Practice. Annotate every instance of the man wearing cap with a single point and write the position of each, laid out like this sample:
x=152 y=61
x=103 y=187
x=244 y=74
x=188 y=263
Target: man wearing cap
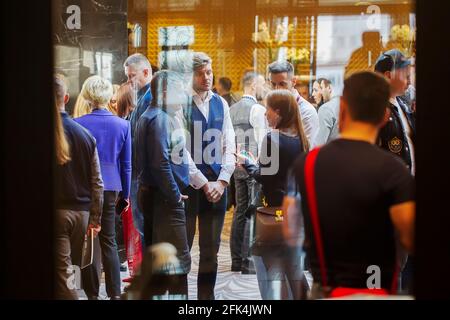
x=397 y=136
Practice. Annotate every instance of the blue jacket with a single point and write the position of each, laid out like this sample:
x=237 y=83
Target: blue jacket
x=113 y=136
x=144 y=97
x=158 y=147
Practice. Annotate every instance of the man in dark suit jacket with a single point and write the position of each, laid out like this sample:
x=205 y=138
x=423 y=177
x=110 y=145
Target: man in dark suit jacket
x=139 y=73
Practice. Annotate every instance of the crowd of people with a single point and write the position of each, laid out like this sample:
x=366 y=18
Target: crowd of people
x=169 y=145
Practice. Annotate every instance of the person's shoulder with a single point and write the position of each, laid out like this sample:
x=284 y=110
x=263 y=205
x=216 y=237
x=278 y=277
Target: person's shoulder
x=390 y=160
x=78 y=129
x=306 y=104
x=236 y=105
x=82 y=119
x=158 y=118
x=259 y=107
x=221 y=99
x=119 y=121
x=330 y=107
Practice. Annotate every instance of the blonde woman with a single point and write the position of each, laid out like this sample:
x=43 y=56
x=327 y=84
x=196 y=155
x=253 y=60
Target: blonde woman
x=81 y=107
x=113 y=136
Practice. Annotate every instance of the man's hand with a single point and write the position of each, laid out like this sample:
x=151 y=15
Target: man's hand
x=95 y=229
x=216 y=191
x=207 y=189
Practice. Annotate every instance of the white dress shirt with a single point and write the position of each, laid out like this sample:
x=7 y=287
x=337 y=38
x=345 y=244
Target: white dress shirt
x=408 y=133
x=197 y=179
x=310 y=118
x=258 y=121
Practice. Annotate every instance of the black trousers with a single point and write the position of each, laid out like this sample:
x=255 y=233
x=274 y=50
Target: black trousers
x=247 y=193
x=210 y=223
x=165 y=222
x=109 y=253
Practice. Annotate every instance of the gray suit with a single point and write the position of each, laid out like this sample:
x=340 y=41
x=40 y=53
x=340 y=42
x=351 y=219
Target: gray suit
x=247 y=189
x=328 y=122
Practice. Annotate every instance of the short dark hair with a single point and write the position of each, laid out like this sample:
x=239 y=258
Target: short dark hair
x=367 y=95
x=226 y=83
x=280 y=67
x=325 y=81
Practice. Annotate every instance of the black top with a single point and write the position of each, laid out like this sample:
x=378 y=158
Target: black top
x=278 y=153
x=356 y=184
x=73 y=180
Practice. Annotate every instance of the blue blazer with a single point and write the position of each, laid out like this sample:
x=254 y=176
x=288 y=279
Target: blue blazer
x=113 y=136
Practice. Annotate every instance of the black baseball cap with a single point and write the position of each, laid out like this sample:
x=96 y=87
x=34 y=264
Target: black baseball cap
x=391 y=60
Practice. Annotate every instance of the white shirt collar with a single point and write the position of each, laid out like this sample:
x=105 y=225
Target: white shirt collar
x=198 y=100
x=250 y=97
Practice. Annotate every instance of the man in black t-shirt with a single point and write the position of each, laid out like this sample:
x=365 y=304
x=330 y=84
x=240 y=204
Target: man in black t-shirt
x=364 y=195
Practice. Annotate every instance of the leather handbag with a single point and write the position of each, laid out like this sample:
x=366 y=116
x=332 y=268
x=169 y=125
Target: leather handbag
x=268 y=226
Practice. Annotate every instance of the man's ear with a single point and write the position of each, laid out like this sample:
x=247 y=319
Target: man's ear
x=146 y=72
x=388 y=75
x=66 y=99
x=294 y=81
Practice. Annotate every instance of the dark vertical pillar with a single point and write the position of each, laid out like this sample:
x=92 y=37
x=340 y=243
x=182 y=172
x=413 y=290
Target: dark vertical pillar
x=26 y=222
x=433 y=170
x=98 y=45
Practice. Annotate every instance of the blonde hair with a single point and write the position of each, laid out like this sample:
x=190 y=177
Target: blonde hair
x=81 y=107
x=284 y=102
x=61 y=145
x=97 y=91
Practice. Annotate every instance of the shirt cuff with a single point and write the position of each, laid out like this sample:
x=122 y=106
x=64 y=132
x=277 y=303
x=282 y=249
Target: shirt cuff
x=198 y=180
x=224 y=176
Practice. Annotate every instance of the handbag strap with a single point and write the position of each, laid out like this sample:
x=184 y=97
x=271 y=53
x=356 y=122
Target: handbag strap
x=310 y=185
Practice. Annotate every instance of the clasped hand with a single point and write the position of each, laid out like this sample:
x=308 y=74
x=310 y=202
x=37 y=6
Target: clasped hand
x=214 y=190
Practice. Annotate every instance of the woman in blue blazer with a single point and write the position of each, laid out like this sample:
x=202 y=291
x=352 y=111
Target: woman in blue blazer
x=113 y=138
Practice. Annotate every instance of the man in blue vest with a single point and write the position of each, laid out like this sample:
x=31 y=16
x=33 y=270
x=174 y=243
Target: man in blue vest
x=212 y=147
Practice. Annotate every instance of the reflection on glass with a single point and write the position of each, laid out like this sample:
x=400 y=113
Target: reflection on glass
x=104 y=64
